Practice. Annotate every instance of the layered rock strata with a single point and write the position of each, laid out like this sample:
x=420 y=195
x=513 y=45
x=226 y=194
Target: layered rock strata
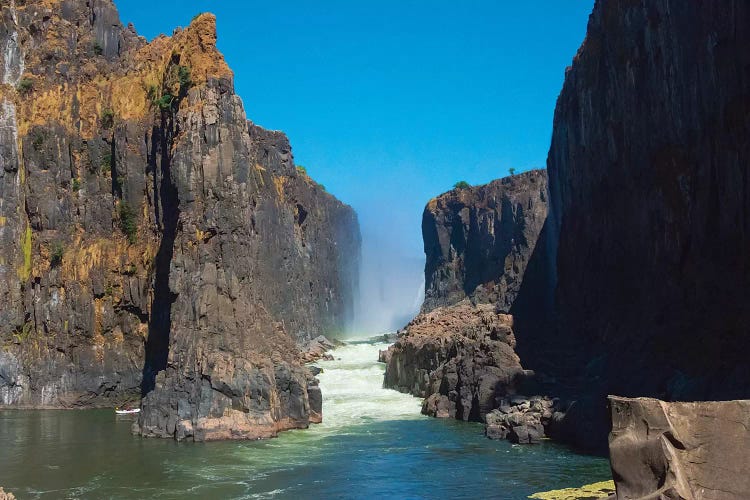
x=153 y=240
x=680 y=450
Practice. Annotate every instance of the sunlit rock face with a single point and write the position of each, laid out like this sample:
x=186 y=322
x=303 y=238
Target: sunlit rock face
x=153 y=240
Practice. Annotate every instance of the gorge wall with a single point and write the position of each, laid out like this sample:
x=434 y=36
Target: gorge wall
x=153 y=241
x=650 y=197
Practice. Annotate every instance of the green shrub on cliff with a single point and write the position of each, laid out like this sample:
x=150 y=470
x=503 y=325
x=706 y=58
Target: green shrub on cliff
x=108 y=119
x=301 y=169
x=56 y=254
x=183 y=76
x=165 y=102
x=25 y=86
x=461 y=185
x=106 y=163
x=76 y=184
x=128 y=223
x=512 y=171
x=97 y=48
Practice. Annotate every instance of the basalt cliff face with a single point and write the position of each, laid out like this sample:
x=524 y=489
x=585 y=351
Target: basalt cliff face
x=650 y=200
x=478 y=240
x=152 y=239
x=459 y=353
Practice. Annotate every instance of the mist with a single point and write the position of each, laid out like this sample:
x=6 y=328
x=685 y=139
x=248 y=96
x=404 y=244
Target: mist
x=391 y=280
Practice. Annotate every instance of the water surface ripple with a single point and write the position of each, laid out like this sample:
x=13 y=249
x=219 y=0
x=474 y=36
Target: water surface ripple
x=373 y=443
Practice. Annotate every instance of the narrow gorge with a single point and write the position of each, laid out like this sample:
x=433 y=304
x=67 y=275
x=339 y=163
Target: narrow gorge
x=170 y=271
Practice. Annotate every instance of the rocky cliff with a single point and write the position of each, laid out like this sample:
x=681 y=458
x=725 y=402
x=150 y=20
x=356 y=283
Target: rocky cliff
x=153 y=240
x=650 y=202
x=478 y=240
x=459 y=353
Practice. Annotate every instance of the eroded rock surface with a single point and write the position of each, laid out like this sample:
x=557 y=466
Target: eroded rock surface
x=680 y=450
x=153 y=240
x=459 y=358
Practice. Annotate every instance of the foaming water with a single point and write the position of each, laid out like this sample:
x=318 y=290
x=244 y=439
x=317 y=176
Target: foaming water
x=372 y=442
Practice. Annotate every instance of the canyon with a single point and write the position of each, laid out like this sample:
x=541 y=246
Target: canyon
x=154 y=241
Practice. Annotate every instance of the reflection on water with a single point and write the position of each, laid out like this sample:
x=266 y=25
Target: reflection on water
x=372 y=442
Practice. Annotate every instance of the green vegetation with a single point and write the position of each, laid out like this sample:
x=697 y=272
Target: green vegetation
x=25 y=86
x=56 y=254
x=25 y=271
x=512 y=171
x=76 y=184
x=165 y=102
x=97 y=48
x=108 y=118
x=461 y=185
x=128 y=223
x=199 y=14
x=184 y=77
x=22 y=333
x=108 y=290
x=301 y=169
x=120 y=182
x=38 y=139
x=106 y=163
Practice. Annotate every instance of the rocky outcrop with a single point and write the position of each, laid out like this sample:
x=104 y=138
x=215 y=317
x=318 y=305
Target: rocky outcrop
x=478 y=241
x=680 y=450
x=459 y=353
x=521 y=420
x=153 y=240
x=6 y=495
x=649 y=198
x=460 y=359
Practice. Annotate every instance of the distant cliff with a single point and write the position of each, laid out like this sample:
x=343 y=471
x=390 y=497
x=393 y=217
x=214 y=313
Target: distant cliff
x=153 y=240
x=459 y=353
x=478 y=240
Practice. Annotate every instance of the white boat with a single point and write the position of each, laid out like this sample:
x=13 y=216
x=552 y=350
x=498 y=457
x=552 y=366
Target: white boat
x=127 y=412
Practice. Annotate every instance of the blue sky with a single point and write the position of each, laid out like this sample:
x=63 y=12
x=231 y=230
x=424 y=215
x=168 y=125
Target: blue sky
x=389 y=103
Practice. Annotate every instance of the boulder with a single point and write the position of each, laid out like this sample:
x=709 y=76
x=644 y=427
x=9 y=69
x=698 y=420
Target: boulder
x=690 y=451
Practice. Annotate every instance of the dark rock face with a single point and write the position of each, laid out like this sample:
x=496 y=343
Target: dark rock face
x=459 y=353
x=153 y=240
x=478 y=240
x=649 y=203
x=649 y=187
x=521 y=420
x=680 y=450
x=459 y=358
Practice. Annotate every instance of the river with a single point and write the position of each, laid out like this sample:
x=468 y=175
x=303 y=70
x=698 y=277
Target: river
x=373 y=442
